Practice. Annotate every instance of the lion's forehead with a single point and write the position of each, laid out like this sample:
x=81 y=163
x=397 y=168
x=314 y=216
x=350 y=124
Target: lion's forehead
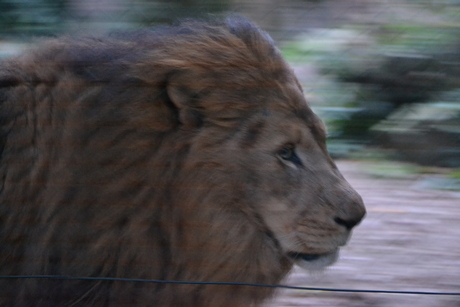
x=273 y=128
x=289 y=117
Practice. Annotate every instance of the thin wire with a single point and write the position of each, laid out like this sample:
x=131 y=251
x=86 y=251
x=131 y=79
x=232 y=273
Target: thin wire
x=225 y=284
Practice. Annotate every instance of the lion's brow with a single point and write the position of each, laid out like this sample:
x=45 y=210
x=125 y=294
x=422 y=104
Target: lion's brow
x=251 y=134
x=306 y=115
x=313 y=123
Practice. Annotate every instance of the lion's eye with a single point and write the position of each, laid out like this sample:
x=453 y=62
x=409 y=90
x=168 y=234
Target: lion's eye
x=287 y=153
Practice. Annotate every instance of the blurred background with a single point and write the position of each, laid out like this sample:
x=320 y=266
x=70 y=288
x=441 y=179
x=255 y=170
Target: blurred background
x=384 y=75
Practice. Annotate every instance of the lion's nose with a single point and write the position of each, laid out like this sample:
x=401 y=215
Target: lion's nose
x=349 y=224
x=352 y=216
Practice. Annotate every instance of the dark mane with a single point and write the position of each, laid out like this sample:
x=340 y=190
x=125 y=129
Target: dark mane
x=234 y=55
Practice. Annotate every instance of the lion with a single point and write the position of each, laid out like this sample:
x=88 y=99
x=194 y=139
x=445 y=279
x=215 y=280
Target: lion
x=179 y=153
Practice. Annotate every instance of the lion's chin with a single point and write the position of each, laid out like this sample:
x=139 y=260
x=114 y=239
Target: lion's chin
x=314 y=262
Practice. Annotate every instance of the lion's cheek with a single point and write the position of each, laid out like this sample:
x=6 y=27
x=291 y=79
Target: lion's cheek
x=312 y=232
x=311 y=248
x=279 y=220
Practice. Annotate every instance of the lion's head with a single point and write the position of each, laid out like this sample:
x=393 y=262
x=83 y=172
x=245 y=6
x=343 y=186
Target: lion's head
x=185 y=153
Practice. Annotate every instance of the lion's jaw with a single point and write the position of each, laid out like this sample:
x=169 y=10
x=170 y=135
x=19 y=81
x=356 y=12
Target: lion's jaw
x=314 y=262
x=310 y=246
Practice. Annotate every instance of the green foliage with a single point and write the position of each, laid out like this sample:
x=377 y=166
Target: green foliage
x=149 y=12
x=32 y=16
x=369 y=75
x=416 y=38
x=42 y=17
x=455 y=174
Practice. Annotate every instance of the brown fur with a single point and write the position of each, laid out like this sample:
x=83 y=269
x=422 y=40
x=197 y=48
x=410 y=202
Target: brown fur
x=157 y=155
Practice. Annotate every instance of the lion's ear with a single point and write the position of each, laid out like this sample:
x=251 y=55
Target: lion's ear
x=185 y=101
x=179 y=87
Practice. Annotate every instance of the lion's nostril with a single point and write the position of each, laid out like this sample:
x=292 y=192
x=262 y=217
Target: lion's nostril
x=349 y=224
x=353 y=211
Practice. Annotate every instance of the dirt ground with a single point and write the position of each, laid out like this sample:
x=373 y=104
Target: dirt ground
x=409 y=240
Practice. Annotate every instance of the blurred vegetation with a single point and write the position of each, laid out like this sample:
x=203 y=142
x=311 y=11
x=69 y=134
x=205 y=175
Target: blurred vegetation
x=32 y=16
x=167 y=11
x=373 y=82
x=45 y=17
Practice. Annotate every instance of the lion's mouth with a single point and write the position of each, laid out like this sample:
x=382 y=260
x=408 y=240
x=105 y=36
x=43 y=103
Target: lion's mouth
x=313 y=262
x=305 y=257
